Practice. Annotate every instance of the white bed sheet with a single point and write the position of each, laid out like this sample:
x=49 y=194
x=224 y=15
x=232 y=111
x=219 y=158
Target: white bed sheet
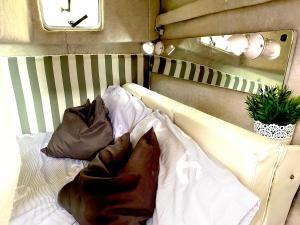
x=40 y=180
x=192 y=188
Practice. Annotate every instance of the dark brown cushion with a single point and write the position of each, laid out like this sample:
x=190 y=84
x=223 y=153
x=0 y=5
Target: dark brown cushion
x=95 y=197
x=83 y=132
x=114 y=157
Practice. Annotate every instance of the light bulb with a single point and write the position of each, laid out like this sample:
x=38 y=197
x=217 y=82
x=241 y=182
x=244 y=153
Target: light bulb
x=272 y=50
x=237 y=44
x=148 y=48
x=256 y=46
x=159 y=48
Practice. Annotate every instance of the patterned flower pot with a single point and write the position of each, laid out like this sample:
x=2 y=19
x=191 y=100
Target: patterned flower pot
x=284 y=134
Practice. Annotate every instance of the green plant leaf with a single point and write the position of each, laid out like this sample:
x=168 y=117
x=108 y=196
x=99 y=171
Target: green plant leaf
x=274 y=105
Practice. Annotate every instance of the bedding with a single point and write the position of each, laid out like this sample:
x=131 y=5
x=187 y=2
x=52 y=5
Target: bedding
x=10 y=164
x=98 y=197
x=40 y=179
x=191 y=187
x=125 y=110
x=84 y=130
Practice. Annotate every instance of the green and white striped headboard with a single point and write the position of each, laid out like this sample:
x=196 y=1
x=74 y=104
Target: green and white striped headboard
x=203 y=74
x=41 y=88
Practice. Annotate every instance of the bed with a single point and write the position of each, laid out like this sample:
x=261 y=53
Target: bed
x=266 y=168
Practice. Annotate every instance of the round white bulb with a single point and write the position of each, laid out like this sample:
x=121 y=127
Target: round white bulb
x=220 y=42
x=256 y=46
x=237 y=44
x=148 y=48
x=272 y=50
x=159 y=48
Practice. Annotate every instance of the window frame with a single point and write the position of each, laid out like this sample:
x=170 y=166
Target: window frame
x=98 y=27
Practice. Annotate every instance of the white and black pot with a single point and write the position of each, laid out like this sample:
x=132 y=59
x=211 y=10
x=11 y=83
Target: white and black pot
x=284 y=134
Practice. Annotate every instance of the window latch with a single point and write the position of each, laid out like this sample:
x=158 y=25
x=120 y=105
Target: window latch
x=74 y=24
x=67 y=9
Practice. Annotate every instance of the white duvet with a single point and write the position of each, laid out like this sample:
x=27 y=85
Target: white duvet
x=192 y=189
x=125 y=110
x=40 y=179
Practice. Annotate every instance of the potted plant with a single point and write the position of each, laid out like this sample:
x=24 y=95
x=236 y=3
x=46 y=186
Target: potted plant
x=275 y=112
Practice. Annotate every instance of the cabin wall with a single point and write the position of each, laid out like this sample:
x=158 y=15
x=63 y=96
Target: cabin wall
x=14 y=21
x=168 y=5
x=127 y=23
x=273 y=15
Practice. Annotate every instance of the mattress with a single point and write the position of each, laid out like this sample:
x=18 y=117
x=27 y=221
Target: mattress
x=40 y=180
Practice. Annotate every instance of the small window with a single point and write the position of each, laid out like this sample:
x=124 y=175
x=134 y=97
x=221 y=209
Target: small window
x=58 y=15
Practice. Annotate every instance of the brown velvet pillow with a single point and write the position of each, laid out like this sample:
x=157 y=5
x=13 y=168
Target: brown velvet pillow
x=83 y=132
x=114 y=157
x=95 y=197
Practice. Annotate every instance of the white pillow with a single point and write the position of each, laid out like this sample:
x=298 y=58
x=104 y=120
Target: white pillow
x=125 y=110
x=192 y=189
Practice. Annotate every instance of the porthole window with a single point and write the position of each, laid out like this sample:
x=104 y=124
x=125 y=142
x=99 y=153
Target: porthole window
x=59 y=15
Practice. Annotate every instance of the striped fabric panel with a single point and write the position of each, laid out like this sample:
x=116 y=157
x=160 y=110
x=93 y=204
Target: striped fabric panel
x=203 y=74
x=42 y=87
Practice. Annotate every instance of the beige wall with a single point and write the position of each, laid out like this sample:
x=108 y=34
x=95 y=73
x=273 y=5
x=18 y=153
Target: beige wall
x=127 y=23
x=181 y=10
x=275 y=15
x=167 y=5
x=209 y=99
x=44 y=49
x=14 y=17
